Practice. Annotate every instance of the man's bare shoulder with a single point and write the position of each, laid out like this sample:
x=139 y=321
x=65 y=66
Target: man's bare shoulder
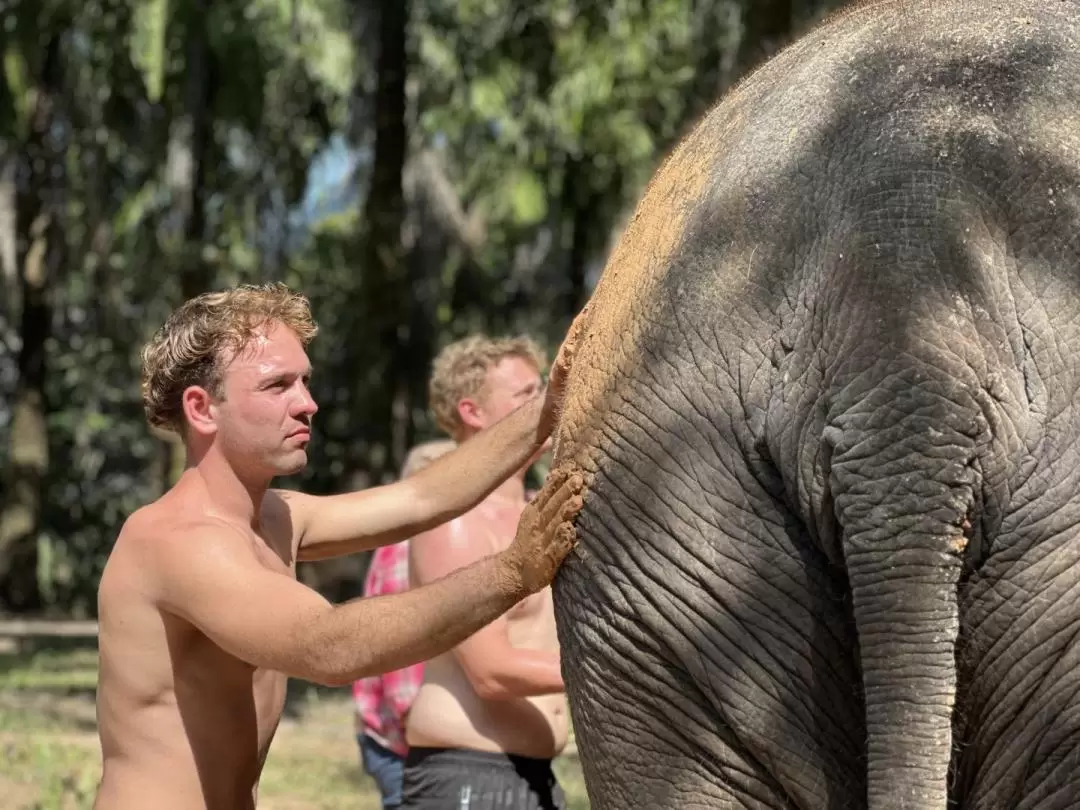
x=161 y=525
x=141 y=561
x=158 y=540
x=468 y=531
x=452 y=545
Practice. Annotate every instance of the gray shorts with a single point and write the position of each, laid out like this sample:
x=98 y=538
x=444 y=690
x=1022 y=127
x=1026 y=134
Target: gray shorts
x=459 y=779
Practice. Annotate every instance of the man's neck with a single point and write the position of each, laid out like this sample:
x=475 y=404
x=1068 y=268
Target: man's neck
x=233 y=496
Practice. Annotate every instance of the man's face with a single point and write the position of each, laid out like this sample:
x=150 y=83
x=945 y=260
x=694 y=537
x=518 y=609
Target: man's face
x=264 y=419
x=509 y=384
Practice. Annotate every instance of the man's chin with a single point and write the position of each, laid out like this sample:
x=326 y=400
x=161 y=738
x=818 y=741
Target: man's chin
x=293 y=463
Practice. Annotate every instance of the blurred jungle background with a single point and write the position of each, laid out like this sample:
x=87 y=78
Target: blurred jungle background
x=420 y=168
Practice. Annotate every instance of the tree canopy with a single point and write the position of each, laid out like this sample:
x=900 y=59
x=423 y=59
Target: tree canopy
x=419 y=168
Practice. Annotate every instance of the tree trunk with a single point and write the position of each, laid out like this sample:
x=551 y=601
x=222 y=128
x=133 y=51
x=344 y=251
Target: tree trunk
x=8 y=160
x=766 y=27
x=40 y=255
x=581 y=202
x=385 y=287
x=189 y=147
x=717 y=59
x=383 y=340
x=9 y=260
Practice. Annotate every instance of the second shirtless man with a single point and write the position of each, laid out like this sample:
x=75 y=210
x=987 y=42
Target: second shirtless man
x=491 y=713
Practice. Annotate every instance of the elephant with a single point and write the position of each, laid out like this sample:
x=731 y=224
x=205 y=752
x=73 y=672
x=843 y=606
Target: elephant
x=825 y=397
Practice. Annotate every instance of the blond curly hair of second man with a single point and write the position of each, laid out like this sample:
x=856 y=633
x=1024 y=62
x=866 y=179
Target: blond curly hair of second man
x=460 y=369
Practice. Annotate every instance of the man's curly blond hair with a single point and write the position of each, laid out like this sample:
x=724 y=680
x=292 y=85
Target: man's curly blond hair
x=460 y=371
x=197 y=340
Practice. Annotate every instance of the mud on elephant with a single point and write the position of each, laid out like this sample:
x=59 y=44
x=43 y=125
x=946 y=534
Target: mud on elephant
x=827 y=390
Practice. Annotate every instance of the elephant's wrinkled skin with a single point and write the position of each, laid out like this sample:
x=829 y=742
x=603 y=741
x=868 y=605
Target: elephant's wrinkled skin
x=827 y=387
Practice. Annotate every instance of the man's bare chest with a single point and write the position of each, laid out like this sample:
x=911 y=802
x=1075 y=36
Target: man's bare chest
x=496 y=526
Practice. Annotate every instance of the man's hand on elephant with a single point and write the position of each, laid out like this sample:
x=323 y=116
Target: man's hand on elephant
x=560 y=370
x=546 y=531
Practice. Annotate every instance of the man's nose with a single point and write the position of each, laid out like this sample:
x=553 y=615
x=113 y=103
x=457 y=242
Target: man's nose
x=305 y=403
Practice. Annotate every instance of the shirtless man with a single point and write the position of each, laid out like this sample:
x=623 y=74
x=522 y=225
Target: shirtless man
x=491 y=714
x=201 y=616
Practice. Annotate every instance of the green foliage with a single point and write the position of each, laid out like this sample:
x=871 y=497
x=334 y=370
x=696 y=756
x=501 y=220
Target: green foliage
x=148 y=44
x=18 y=96
x=544 y=119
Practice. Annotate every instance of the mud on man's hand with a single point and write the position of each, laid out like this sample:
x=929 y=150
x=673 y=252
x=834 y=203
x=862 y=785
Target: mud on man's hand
x=560 y=370
x=546 y=533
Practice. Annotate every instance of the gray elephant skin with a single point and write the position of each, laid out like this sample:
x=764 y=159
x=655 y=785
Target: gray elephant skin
x=825 y=394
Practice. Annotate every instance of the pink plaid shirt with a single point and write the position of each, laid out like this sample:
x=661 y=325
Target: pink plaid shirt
x=382 y=701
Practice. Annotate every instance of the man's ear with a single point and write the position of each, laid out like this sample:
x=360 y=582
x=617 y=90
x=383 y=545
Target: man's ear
x=469 y=413
x=199 y=410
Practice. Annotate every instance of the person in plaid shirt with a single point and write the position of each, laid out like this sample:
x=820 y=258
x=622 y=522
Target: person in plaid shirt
x=382 y=701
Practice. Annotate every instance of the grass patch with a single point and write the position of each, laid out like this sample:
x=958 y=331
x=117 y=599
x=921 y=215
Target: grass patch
x=48 y=771
x=50 y=669
x=568 y=769
x=50 y=760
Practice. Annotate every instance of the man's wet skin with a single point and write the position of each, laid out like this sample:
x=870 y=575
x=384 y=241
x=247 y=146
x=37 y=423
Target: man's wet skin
x=501 y=690
x=450 y=713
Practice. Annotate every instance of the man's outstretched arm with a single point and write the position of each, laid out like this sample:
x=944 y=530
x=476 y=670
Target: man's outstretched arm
x=270 y=620
x=332 y=525
x=329 y=526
